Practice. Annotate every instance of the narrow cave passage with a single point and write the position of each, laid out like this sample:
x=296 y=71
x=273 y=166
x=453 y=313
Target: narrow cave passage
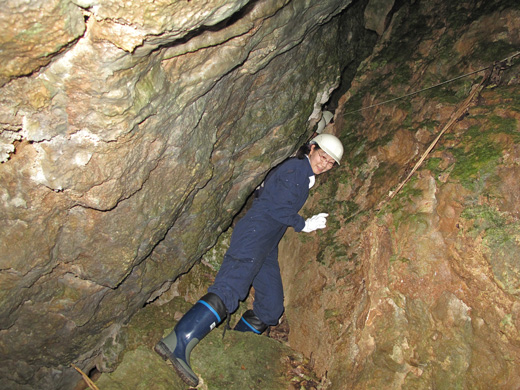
x=133 y=136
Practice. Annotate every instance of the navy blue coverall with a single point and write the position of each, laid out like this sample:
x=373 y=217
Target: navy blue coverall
x=252 y=257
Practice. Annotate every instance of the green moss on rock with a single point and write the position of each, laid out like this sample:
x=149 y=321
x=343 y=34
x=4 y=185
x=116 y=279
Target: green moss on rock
x=501 y=235
x=238 y=361
x=477 y=157
x=241 y=361
x=141 y=369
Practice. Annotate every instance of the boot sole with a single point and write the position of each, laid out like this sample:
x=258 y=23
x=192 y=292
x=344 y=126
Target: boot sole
x=163 y=351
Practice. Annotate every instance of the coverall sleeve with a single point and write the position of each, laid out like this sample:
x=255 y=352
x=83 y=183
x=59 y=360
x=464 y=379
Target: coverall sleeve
x=289 y=192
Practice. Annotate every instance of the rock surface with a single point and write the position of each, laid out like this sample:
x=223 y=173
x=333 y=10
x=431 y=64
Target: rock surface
x=132 y=133
x=419 y=291
x=222 y=362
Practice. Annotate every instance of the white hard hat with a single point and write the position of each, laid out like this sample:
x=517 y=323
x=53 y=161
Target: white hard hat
x=330 y=145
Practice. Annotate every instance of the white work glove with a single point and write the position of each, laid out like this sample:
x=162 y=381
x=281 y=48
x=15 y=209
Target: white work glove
x=315 y=222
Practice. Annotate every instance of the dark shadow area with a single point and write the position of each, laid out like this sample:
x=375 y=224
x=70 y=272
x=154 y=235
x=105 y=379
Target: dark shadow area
x=216 y=27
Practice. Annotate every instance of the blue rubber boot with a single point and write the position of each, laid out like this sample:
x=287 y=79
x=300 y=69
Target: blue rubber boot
x=250 y=323
x=205 y=315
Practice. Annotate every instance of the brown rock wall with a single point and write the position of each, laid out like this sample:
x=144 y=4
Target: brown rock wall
x=419 y=291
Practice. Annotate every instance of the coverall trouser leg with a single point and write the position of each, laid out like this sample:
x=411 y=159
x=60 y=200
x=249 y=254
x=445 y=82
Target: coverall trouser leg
x=236 y=276
x=268 y=303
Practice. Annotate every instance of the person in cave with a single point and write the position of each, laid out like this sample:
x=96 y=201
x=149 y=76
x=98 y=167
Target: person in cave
x=252 y=257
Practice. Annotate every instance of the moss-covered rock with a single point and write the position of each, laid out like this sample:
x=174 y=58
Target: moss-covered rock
x=237 y=361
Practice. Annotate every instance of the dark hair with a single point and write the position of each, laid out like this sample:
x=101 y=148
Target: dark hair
x=305 y=149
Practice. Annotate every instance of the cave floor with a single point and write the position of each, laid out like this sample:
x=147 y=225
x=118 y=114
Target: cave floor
x=237 y=361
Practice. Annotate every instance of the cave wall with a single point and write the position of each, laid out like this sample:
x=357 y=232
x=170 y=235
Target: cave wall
x=131 y=133
x=419 y=289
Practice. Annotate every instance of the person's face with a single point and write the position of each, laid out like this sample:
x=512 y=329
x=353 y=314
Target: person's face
x=320 y=161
